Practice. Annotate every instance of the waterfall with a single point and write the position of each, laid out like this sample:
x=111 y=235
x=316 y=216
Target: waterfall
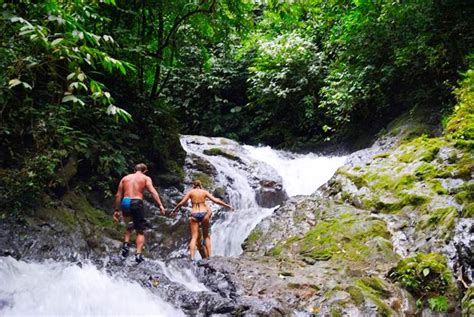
x=301 y=175
x=183 y=276
x=64 y=289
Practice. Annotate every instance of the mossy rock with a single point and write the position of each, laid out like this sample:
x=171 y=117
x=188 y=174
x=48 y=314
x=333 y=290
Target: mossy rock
x=467 y=303
x=254 y=236
x=89 y=216
x=219 y=152
x=468 y=211
x=356 y=295
x=437 y=187
x=420 y=149
x=345 y=236
x=205 y=179
x=374 y=285
x=276 y=250
x=467 y=191
x=441 y=219
x=219 y=192
x=166 y=180
x=427 y=171
x=202 y=165
x=402 y=200
x=374 y=289
x=57 y=213
x=378 y=181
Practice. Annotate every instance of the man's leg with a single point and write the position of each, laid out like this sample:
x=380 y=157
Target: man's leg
x=126 y=238
x=138 y=215
x=128 y=228
x=140 y=241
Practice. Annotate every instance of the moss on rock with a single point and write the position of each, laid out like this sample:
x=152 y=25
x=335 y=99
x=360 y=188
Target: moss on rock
x=254 y=236
x=441 y=219
x=219 y=152
x=344 y=236
x=98 y=221
x=468 y=211
x=205 y=179
x=467 y=303
x=376 y=290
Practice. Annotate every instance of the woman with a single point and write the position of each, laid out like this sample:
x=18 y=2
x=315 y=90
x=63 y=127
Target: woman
x=200 y=214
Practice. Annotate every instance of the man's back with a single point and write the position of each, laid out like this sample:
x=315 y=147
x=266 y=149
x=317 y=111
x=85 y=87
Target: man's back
x=134 y=185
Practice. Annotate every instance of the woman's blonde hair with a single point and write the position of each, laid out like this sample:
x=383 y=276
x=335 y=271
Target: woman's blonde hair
x=197 y=183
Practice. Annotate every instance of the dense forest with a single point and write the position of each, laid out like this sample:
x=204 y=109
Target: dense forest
x=89 y=88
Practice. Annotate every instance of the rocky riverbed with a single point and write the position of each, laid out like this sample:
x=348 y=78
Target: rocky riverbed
x=391 y=233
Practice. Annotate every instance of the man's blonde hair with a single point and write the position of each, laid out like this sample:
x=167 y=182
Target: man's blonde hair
x=140 y=167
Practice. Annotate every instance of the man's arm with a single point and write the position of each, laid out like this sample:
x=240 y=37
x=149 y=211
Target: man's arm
x=154 y=194
x=118 y=199
x=218 y=201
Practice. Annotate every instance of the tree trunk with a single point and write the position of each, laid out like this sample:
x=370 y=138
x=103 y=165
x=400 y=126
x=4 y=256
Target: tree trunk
x=159 y=53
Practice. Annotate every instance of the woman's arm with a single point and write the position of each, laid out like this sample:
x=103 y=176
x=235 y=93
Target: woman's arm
x=182 y=202
x=218 y=201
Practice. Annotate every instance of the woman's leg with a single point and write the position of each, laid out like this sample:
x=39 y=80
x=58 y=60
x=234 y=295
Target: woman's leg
x=194 y=225
x=201 y=248
x=205 y=231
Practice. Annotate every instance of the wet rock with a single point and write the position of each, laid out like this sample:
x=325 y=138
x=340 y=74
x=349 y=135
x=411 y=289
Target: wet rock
x=270 y=194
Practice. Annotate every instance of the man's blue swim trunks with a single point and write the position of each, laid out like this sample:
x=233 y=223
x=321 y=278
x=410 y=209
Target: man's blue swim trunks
x=134 y=208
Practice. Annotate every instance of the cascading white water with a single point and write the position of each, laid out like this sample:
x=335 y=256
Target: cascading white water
x=183 y=276
x=229 y=232
x=301 y=174
x=65 y=289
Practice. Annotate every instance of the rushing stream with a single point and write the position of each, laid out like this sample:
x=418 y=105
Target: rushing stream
x=64 y=289
x=300 y=175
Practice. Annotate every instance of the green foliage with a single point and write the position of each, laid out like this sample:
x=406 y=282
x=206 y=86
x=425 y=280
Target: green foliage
x=61 y=84
x=467 y=303
x=460 y=126
x=438 y=303
x=424 y=275
x=308 y=72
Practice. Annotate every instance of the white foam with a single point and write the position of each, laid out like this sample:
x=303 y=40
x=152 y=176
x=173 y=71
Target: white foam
x=64 y=289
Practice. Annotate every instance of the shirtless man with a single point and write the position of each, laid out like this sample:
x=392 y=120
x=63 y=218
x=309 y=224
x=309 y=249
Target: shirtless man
x=130 y=199
x=200 y=214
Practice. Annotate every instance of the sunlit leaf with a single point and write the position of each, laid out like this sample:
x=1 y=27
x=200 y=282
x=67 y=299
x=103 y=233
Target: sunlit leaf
x=72 y=98
x=56 y=41
x=14 y=82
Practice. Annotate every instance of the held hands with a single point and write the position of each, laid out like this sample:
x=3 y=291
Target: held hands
x=173 y=212
x=162 y=210
x=116 y=215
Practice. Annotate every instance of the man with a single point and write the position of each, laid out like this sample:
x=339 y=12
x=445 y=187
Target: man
x=130 y=198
